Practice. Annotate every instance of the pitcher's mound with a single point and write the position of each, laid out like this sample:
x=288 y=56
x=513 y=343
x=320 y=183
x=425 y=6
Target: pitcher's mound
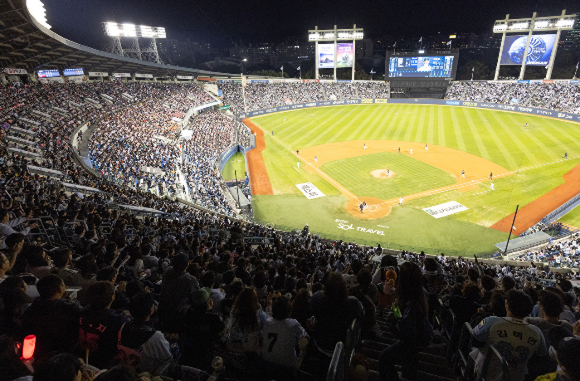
x=382 y=174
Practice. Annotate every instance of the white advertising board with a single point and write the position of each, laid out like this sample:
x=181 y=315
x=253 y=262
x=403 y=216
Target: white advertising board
x=14 y=71
x=137 y=75
x=326 y=56
x=185 y=77
x=445 y=209
x=125 y=75
x=310 y=191
x=98 y=74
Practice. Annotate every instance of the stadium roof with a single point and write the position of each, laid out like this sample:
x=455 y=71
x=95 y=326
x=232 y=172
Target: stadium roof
x=26 y=44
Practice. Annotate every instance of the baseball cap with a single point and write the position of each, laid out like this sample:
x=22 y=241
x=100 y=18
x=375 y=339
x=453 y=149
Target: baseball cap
x=200 y=296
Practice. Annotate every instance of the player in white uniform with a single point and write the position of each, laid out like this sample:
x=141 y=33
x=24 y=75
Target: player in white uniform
x=411 y=151
x=280 y=335
x=463 y=174
x=364 y=146
x=426 y=147
x=298 y=164
x=316 y=159
x=491 y=185
x=401 y=200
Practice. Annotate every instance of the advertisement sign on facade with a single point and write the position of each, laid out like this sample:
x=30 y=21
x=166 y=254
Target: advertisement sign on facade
x=185 y=77
x=14 y=71
x=124 y=75
x=98 y=74
x=344 y=55
x=539 y=50
x=137 y=75
x=326 y=56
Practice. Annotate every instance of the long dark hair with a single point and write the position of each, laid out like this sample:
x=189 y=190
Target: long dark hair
x=410 y=287
x=335 y=290
x=245 y=310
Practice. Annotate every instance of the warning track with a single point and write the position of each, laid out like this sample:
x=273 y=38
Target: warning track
x=259 y=180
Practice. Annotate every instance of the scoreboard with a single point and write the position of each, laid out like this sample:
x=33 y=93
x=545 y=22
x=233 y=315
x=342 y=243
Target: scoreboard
x=69 y=72
x=422 y=67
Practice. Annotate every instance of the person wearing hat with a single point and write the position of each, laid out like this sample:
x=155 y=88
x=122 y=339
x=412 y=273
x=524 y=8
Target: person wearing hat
x=202 y=329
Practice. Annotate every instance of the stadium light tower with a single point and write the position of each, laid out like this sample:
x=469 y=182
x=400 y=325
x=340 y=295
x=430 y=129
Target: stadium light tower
x=330 y=52
x=536 y=48
x=134 y=32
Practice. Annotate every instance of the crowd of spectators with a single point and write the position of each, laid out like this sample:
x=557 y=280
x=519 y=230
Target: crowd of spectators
x=565 y=253
x=556 y=96
x=261 y=96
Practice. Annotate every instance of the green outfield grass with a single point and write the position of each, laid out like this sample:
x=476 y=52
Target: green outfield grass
x=572 y=218
x=411 y=176
x=494 y=135
x=236 y=163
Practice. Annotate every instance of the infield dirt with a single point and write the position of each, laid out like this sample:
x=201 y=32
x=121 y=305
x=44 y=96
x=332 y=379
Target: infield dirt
x=259 y=180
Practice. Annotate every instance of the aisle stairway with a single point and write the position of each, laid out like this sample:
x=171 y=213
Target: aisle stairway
x=432 y=362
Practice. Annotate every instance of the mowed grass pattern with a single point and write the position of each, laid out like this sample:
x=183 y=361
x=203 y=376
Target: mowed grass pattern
x=494 y=135
x=411 y=176
x=236 y=166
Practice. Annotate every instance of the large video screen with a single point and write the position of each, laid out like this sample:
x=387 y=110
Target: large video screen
x=48 y=73
x=424 y=66
x=325 y=56
x=539 y=51
x=68 y=72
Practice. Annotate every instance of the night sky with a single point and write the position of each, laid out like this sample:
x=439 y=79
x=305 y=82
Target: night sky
x=222 y=22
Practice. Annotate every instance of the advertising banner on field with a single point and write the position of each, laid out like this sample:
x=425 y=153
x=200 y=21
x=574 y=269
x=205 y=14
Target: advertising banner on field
x=539 y=50
x=310 y=191
x=445 y=209
x=326 y=56
x=344 y=55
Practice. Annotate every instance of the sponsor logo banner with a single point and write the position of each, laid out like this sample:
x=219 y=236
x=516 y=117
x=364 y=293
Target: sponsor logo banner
x=125 y=75
x=259 y=81
x=98 y=74
x=310 y=80
x=523 y=81
x=377 y=100
x=445 y=209
x=548 y=81
x=575 y=81
x=143 y=75
x=452 y=103
x=186 y=77
x=367 y=100
x=310 y=191
x=77 y=79
x=14 y=71
x=325 y=56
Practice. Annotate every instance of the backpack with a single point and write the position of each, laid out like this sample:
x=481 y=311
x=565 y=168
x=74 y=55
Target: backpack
x=129 y=356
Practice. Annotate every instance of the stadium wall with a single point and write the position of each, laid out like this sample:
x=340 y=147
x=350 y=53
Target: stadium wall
x=439 y=102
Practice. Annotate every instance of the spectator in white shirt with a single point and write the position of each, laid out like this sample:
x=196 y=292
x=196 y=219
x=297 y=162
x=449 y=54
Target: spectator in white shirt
x=6 y=226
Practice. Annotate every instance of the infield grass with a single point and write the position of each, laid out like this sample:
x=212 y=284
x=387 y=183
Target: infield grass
x=572 y=218
x=411 y=176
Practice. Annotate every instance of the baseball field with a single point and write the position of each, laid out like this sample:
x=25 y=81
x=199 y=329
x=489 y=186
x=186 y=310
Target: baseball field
x=402 y=159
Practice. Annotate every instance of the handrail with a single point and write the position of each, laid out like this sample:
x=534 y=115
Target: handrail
x=334 y=371
x=491 y=353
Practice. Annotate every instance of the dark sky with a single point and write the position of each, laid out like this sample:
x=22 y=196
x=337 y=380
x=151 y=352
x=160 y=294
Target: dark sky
x=221 y=21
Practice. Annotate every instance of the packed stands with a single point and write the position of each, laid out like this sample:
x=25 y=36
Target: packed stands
x=555 y=96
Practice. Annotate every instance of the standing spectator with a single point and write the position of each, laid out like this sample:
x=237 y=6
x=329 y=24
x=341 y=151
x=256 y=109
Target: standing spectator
x=413 y=326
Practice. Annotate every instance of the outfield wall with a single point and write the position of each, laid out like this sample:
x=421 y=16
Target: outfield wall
x=440 y=102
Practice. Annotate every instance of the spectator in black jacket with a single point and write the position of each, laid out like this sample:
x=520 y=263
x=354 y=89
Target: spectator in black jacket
x=413 y=326
x=53 y=320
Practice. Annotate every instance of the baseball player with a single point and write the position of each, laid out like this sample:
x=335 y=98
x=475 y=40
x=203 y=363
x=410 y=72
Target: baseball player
x=491 y=185
x=388 y=173
x=272 y=132
x=298 y=164
x=364 y=146
x=401 y=200
x=399 y=150
x=463 y=174
x=297 y=152
x=361 y=206
x=565 y=155
x=491 y=176
x=411 y=151
x=284 y=119
x=316 y=159
x=426 y=148
x=526 y=126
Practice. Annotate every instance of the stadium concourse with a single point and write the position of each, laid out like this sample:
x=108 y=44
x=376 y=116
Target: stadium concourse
x=162 y=294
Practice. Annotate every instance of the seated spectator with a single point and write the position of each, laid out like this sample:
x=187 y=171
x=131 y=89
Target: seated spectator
x=334 y=311
x=280 y=334
x=516 y=340
x=488 y=286
x=62 y=367
x=14 y=244
x=14 y=301
x=62 y=260
x=140 y=345
x=465 y=306
x=38 y=262
x=368 y=295
x=216 y=294
x=6 y=225
x=565 y=349
x=99 y=326
x=245 y=323
x=413 y=328
x=53 y=320
x=551 y=306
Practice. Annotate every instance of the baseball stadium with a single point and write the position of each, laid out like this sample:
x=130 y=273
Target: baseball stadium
x=253 y=200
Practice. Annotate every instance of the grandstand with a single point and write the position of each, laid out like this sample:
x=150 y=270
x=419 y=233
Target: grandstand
x=123 y=255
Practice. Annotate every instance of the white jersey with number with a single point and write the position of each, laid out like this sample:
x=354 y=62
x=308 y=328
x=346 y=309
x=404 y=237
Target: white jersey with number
x=515 y=340
x=280 y=337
